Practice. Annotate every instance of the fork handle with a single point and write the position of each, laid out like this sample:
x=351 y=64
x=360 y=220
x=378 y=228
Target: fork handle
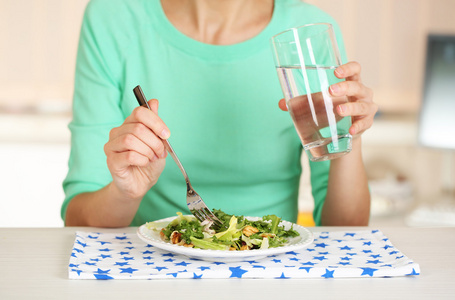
x=143 y=102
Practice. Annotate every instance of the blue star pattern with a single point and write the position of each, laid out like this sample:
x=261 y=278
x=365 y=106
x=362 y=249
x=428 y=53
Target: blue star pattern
x=331 y=255
x=328 y=273
x=237 y=272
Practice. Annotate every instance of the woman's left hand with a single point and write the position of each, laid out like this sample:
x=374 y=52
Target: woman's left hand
x=360 y=105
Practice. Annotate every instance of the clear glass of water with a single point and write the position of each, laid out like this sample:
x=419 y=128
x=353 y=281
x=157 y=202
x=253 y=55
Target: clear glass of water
x=305 y=59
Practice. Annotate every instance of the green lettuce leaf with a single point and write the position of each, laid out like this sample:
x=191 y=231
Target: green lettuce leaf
x=205 y=244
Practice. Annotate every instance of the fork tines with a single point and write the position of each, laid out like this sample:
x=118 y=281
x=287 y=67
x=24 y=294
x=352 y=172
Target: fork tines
x=205 y=214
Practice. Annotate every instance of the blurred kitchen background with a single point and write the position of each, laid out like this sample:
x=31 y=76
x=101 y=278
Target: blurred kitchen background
x=411 y=184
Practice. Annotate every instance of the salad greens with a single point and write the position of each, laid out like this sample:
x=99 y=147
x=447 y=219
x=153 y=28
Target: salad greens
x=236 y=233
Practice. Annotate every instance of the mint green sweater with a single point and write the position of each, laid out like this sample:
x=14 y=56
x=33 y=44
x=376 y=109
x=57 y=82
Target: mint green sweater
x=240 y=150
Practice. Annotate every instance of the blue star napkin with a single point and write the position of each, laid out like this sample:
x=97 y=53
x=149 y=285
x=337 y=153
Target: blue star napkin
x=333 y=254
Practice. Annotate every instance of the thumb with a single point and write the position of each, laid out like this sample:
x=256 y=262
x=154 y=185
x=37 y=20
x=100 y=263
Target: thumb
x=154 y=105
x=282 y=105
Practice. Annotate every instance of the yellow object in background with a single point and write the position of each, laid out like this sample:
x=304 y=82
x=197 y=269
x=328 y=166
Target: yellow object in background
x=305 y=219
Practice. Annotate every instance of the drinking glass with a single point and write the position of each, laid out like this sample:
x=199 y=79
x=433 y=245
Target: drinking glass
x=305 y=59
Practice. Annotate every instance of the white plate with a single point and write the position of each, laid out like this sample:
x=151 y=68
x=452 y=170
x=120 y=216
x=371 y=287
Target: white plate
x=153 y=238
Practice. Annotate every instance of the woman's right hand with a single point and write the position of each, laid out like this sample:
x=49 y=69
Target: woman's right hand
x=136 y=153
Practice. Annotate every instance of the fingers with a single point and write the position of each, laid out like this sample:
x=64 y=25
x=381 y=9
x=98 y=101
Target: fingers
x=349 y=71
x=138 y=141
x=136 y=137
x=362 y=115
x=357 y=109
x=150 y=119
x=351 y=89
x=360 y=125
x=125 y=159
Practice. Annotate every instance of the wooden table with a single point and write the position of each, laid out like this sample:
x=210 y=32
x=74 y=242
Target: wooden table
x=34 y=265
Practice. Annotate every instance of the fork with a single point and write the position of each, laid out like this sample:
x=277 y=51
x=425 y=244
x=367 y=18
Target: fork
x=194 y=202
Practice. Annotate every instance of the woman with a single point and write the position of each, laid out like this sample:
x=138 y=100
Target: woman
x=210 y=65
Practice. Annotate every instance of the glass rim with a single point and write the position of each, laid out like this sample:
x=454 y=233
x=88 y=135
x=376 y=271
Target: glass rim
x=329 y=25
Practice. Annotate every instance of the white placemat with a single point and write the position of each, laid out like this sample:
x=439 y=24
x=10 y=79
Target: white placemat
x=333 y=254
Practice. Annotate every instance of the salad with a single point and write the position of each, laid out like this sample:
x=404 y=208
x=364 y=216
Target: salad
x=236 y=233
